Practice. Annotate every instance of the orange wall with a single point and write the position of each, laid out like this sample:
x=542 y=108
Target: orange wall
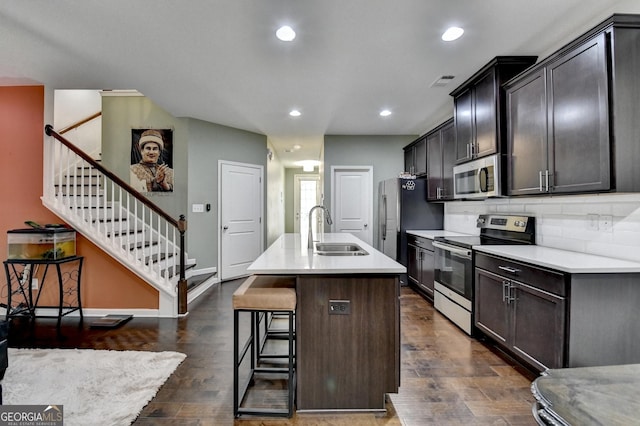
x=105 y=283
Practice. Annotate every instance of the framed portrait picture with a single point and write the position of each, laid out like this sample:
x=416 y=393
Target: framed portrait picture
x=151 y=168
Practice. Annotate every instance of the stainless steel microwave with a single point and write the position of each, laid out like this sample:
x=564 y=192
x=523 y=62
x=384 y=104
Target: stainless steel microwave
x=478 y=178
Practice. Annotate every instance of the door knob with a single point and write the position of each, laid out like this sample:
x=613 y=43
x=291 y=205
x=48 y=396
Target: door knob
x=365 y=225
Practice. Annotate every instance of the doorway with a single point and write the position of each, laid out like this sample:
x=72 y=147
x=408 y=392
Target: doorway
x=240 y=208
x=352 y=200
x=306 y=194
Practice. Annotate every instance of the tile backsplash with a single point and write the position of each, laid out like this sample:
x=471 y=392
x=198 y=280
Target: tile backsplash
x=602 y=224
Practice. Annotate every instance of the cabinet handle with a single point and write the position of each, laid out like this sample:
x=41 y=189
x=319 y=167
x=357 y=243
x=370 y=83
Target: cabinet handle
x=509 y=269
x=540 y=180
x=468 y=150
x=505 y=287
x=546 y=178
x=511 y=294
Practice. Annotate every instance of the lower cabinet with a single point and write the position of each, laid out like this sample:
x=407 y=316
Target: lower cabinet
x=421 y=265
x=522 y=308
x=347 y=360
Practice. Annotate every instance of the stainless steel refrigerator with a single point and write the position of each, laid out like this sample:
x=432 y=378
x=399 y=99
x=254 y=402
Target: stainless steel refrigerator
x=402 y=205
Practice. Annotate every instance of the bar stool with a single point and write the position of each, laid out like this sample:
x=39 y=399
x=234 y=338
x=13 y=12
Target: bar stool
x=263 y=296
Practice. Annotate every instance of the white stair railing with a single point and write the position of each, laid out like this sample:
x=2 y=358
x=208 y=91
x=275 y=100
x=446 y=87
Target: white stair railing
x=117 y=218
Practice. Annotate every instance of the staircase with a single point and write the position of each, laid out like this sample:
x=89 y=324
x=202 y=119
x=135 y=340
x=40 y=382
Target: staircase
x=118 y=219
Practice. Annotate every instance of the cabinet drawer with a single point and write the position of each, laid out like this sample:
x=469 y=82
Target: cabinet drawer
x=544 y=279
x=424 y=243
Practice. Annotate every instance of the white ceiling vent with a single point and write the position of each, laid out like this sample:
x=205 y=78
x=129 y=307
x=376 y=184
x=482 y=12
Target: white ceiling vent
x=442 y=81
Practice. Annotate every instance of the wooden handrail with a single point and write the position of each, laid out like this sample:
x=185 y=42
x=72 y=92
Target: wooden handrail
x=48 y=129
x=79 y=123
x=180 y=224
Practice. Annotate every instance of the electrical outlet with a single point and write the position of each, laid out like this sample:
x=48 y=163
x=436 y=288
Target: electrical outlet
x=34 y=284
x=592 y=222
x=606 y=223
x=339 y=307
x=197 y=208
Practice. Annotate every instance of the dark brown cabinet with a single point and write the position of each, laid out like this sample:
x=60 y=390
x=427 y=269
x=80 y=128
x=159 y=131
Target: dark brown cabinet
x=553 y=318
x=522 y=308
x=415 y=157
x=440 y=161
x=572 y=118
x=479 y=108
x=421 y=265
x=550 y=156
x=358 y=352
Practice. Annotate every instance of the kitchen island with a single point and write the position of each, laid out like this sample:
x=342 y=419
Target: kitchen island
x=347 y=322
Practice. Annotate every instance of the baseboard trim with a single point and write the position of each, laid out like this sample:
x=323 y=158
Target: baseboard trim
x=200 y=289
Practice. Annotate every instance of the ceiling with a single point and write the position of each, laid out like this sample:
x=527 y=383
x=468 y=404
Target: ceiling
x=219 y=61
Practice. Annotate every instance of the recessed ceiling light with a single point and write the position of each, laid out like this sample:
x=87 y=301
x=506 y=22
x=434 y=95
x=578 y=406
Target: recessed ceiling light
x=307 y=165
x=285 y=33
x=452 y=33
x=297 y=147
x=385 y=113
x=295 y=113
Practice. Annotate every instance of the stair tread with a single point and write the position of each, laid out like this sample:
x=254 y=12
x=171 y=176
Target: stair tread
x=196 y=280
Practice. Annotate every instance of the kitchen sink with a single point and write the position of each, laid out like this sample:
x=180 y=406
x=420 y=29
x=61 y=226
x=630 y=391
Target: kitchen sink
x=340 y=249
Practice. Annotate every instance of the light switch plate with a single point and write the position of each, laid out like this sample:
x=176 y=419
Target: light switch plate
x=197 y=208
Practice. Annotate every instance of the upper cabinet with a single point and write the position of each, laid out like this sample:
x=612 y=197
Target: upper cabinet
x=572 y=119
x=440 y=160
x=479 y=108
x=415 y=157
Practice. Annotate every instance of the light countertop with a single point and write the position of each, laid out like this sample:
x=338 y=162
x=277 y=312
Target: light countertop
x=289 y=255
x=562 y=260
x=432 y=233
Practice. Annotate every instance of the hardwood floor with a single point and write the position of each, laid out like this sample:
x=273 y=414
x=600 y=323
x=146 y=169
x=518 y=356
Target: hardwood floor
x=448 y=378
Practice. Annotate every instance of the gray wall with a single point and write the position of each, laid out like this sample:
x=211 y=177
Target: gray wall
x=120 y=114
x=275 y=197
x=198 y=145
x=384 y=153
x=289 y=208
x=208 y=143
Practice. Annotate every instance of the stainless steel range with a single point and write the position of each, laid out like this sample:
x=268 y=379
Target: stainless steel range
x=454 y=264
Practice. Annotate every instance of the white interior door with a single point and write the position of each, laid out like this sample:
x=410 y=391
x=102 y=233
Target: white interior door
x=352 y=200
x=240 y=212
x=306 y=194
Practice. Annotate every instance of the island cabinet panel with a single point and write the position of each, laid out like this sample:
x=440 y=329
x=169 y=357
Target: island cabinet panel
x=347 y=359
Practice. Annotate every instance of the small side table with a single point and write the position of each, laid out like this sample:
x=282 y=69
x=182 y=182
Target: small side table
x=68 y=273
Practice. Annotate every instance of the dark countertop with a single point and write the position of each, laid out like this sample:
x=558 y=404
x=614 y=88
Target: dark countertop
x=608 y=395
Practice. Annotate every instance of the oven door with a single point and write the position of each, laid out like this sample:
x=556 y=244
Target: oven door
x=453 y=268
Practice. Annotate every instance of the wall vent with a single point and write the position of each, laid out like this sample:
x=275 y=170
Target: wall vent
x=442 y=81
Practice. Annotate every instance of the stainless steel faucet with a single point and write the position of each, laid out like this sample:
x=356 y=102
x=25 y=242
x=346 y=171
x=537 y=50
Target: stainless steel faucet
x=329 y=222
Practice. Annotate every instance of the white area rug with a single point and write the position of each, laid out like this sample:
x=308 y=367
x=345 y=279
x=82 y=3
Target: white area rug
x=96 y=387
